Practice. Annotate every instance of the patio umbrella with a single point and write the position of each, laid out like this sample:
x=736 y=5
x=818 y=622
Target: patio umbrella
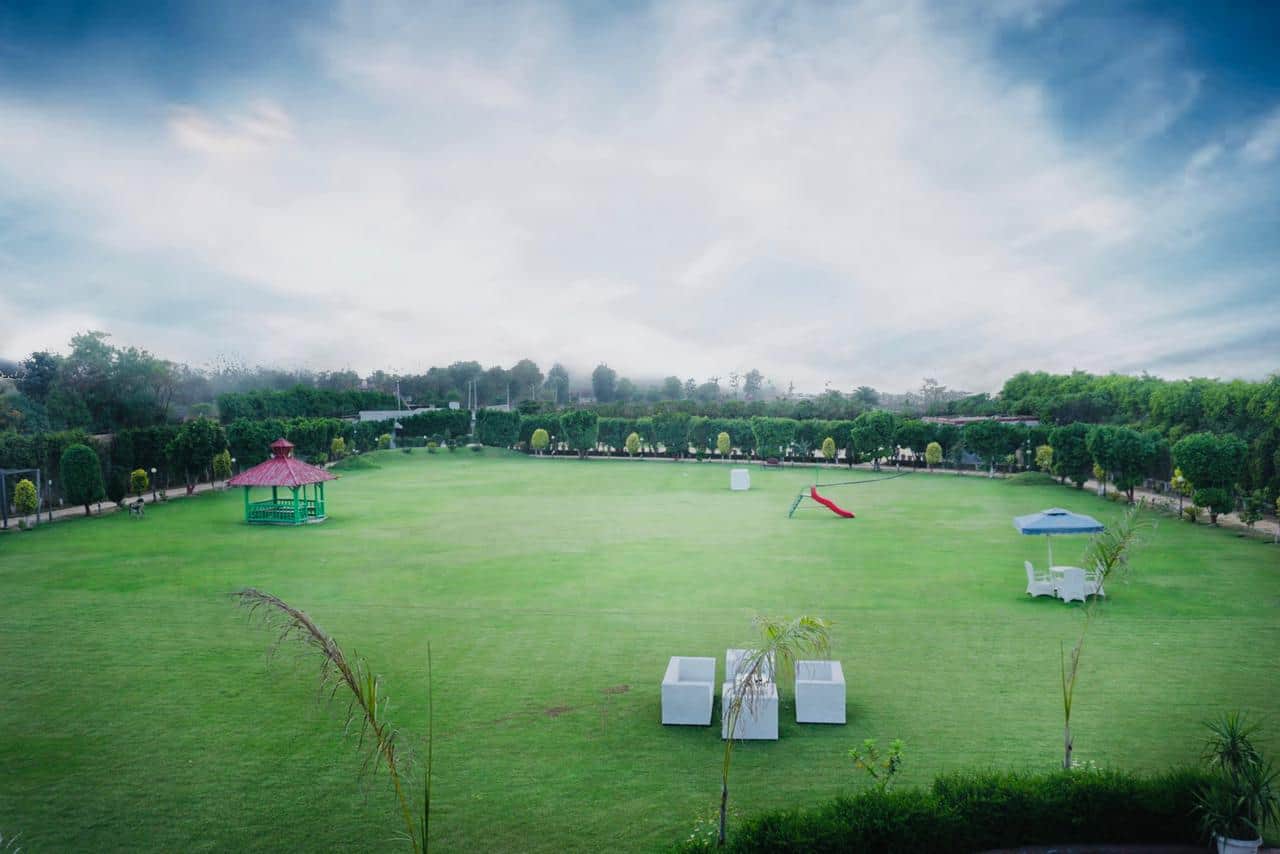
x=1056 y=521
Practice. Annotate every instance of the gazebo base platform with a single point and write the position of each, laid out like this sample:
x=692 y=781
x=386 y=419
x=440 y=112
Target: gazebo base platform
x=284 y=512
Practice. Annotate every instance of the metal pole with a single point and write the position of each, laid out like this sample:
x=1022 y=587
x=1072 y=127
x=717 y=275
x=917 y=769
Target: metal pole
x=4 y=500
x=37 y=499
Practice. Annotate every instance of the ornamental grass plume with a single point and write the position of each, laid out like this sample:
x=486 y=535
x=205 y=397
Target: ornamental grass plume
x=367 y=708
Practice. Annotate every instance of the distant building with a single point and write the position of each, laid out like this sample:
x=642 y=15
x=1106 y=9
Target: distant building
x=961 y=420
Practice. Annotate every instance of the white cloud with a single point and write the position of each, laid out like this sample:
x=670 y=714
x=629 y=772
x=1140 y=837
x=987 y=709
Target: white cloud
x=1264 y=143
x=855 y=194
x=262 y=126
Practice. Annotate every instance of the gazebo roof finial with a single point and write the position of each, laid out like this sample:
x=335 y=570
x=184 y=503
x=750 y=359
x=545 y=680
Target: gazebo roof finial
x=282 y=448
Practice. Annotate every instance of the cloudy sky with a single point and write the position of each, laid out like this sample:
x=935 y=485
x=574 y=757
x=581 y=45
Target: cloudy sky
x=853 y=193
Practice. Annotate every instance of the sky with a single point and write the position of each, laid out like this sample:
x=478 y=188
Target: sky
x=842 y=194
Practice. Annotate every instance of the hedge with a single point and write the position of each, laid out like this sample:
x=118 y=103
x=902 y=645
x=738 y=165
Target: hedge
x=977 y=811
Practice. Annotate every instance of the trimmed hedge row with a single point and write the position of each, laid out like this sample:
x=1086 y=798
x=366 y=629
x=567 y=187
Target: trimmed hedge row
x=984 y=810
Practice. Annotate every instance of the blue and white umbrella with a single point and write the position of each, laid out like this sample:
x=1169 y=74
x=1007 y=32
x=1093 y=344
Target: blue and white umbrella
x=1056 y=521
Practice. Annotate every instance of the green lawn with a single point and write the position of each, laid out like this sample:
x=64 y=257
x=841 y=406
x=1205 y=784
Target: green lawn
x=139 y=711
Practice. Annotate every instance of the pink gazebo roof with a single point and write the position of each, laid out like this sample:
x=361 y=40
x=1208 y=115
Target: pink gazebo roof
x=281 y=470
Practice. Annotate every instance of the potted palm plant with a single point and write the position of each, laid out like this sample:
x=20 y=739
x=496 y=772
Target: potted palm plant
x=1242 y=797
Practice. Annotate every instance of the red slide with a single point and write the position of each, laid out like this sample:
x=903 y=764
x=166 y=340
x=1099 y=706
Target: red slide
x=829 y=504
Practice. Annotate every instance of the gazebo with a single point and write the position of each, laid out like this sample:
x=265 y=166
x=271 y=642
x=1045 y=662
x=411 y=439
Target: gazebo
x=282 y=469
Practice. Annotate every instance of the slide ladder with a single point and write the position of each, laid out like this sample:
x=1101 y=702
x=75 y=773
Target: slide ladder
x=794 y=504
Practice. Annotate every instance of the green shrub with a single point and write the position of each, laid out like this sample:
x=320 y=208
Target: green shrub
x=974 y=811
x=25 y=499
x=138 y=482
x=355 y=463
x=117 y=485
x=1031 y=478
x=384 y=441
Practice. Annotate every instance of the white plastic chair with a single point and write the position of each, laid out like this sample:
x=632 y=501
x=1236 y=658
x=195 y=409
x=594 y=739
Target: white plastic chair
x=687 y=691
x=1073 y=585
x=1038 y=585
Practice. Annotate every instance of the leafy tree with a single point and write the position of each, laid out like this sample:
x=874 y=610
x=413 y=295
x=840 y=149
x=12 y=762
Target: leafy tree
x=117 y=485
x=690 y=387
x=990 y=440
x=625 y=391
x=193 y=449
x=808 y=436
x=633 y=443
x=581 y=429
x=932 y=454
x=866 y=395
x=672 y=430
x=1044 y=458
x=873 y=434
x=672 y=388
x=699 y=433
x=723 y=445
x=81 y=473
x=337 y=448
x=1120 y=452
x=25 y=499
x=557 y=384
x=539 y=440
x=1213 y=464
x=1253 y=504
x=526 y=379
x=497 y=428
x=912 y=434
x=604 y=383
x=751 y=384
x=828 y=449
x=773 y=435
x=36 y=375
x=1071 y=460
x=708 y=392
x=139 y=482
x=222 y=464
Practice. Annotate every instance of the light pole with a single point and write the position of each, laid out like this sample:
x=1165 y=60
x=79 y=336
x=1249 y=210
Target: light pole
x=234 y=471
x=50 y=499
x=153 y=484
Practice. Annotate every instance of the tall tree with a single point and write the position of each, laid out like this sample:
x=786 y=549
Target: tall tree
x=751 y=384
x=672 y=388
x=625 y=391
x=526 y=379
x=990 y=440
x=557 y=384
x=604 y=383
x=81 y=473
x=581 y=430
x=1213 y=464
x=1071 y=459
x=866 y=395
x=193 y=448
x=36 y=375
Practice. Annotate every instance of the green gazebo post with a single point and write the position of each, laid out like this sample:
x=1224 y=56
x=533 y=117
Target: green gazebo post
x=284 y=470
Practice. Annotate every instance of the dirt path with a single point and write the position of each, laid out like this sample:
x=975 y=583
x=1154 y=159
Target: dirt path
x=105 y=507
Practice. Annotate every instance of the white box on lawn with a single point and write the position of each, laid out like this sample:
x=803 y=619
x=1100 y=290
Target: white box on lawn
x=739 y=479
x=758 y=717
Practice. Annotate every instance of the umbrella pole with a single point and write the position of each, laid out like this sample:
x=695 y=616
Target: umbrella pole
x=1049 y=539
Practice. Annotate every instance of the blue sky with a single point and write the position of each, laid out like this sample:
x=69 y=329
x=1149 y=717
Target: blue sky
x=852 y=193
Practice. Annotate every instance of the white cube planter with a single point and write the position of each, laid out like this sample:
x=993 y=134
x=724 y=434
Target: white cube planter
x=820 y=692
x=688 y=689
x=733 y=663
x=739 y=480
x=758 y=716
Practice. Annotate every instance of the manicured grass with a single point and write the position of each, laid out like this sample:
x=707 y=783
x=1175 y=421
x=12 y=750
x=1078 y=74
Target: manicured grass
x=139 y=711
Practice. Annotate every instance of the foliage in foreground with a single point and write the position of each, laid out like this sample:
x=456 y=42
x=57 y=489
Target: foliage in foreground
x=367 y=707
x=975 y=811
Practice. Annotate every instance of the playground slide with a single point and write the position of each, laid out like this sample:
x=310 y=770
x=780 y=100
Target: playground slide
x=829 y=504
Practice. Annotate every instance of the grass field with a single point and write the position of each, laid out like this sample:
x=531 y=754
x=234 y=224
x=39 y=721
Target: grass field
x=139 y=711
